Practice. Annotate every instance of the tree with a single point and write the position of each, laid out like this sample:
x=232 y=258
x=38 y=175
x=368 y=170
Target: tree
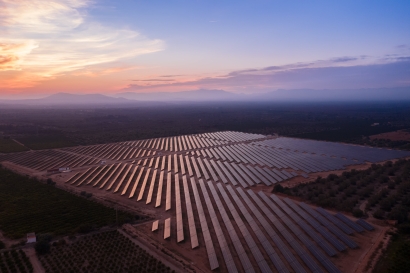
x=358 y=213
x=278 y=188
x=378 y=214
x=42 y=247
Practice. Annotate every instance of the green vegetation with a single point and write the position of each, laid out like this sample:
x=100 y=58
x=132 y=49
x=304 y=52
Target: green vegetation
x=45 y=142
x=26 y=205
x=15 y=261
x=41 y=128
x=396 y=257
x=386 y=188
x=384 y=143
x=8 y=145
x=102 y=252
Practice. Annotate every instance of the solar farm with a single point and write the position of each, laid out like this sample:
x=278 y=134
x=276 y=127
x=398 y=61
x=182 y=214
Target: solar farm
x=210 y=196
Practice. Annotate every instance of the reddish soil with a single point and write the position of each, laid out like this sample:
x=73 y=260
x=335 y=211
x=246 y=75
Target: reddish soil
x=394 y=136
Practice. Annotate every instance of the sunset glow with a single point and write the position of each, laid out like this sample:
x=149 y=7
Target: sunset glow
x=84 y=46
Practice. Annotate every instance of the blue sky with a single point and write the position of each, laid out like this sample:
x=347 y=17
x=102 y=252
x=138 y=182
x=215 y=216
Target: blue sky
x=111 y=46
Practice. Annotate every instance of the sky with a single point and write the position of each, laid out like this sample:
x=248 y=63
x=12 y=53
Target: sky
x=242 y=46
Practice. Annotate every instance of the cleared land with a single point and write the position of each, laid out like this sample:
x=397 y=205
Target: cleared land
x=210 y=194
x=394 y=136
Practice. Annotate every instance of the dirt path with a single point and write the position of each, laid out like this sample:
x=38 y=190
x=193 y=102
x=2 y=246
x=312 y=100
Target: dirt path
x=18 y=142
x=31 y=254
x=368 y=256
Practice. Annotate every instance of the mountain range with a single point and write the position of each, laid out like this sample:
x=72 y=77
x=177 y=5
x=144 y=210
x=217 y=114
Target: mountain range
x=204 y=95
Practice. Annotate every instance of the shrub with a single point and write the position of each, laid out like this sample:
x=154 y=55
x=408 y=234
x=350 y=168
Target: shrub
x=378 y=214
x=278 y=188
x=358 y=213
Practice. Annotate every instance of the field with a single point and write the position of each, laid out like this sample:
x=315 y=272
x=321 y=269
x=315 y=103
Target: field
x=15 y=261
x=382 y=191
x=102 y=252
x=26 y=205
x=401 y=135
x=10 y=146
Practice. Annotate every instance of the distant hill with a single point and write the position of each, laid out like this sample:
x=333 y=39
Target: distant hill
x=370 y=94
x=195 y=95
x=70 y=99
x=205 y=95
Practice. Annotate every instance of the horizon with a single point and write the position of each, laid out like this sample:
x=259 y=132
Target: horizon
x=110 y=47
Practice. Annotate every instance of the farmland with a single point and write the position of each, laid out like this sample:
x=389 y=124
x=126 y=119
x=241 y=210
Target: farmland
x=8 y=145
x=103 y=252
x=15 y=261
x=210 y=197
x=382 y=191
x=51 y=210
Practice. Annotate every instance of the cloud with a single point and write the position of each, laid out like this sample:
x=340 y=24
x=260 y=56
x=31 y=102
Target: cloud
x=170 y=76
x=328 y=74
x=155 y=80
x=43 y=39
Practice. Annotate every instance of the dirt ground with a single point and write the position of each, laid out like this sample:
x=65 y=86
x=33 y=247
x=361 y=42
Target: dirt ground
x=394 y=136
x=31 y=254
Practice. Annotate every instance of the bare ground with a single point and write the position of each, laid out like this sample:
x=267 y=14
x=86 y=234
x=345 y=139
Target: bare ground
x=394 y=136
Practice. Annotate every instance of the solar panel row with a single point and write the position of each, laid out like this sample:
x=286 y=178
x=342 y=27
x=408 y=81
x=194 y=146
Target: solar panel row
x=178 y=208
x=349 y=222
x=348 y=151
x=167 y=228
x=226 y=253
x=258 y=256
x=288 y=237
x=240 y=251
x=190 y=214
x=329 y=237
x=331 y=227
x=308 y=230
x=213 y=261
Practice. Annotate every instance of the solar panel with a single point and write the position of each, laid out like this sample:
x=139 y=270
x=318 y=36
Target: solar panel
x=332 y=228
x=349 y=222
x=151 y=188
x=178 y=208
x=123 y=178
x=144 y=183
x=247 y=266
x=167 y=228
x=137 y=180
x=155 y=225
x=190 y=214
x=335 y=221
x=159 y=193
x=323 y=244
x=339 y=246
x=364 y=224
x=116 y=177
x=168 y=193
x=110 y=175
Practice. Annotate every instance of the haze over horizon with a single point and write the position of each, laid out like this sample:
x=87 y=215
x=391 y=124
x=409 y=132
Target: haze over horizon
x=245 y=47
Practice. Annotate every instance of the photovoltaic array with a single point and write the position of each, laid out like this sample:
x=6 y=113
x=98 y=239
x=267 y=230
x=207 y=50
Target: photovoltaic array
x=206 y=187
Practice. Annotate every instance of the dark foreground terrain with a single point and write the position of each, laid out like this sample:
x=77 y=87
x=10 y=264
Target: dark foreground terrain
x=54 y=127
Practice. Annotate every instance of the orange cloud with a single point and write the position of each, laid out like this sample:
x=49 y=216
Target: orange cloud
x=46 y=39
